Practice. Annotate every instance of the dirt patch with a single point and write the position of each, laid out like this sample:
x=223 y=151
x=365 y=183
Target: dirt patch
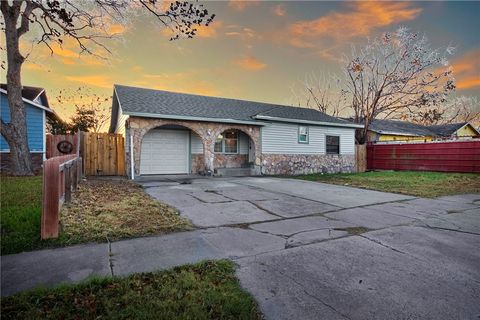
x=354 y=230
x=116 y=209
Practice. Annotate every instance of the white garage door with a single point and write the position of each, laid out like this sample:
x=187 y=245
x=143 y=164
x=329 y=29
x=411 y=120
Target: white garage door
x=164 y=152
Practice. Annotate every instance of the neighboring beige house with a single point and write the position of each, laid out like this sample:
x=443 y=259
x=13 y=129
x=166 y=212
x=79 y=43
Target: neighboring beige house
x=176 y=133
x=395 y=130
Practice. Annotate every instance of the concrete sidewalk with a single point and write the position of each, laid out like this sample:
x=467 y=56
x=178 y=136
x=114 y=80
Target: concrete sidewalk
x=415 y=258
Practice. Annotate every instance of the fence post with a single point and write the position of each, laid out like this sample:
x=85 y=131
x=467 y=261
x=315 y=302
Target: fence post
x=51 y=201
x=68 y=184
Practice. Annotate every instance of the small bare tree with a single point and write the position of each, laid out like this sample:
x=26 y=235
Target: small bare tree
x=394 y=74
x=322 y=92
x=455 y=109
x=87 y=23
x=92 y=111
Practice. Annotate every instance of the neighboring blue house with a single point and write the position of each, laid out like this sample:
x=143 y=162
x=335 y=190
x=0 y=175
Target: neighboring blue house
x=37 y=108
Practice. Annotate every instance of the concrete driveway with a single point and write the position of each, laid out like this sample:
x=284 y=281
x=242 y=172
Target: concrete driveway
x=348 y=253
x=305 y=250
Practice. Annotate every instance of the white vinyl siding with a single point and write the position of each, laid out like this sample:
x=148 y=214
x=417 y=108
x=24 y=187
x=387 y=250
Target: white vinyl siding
x=243 y=141
x=196 y=144
x=282 y=138
x=120 y=127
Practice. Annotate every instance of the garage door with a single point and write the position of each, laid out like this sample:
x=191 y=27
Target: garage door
x=165 y=152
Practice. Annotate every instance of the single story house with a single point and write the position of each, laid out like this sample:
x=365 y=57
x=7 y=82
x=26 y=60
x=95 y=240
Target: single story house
x=396 y=130
x=177 y=133
x=37 y=110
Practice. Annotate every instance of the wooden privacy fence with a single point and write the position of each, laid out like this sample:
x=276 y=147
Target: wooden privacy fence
x=61 y=176
x=361 y=157
x=103 y=154
x=62 y=144
x=451 y=156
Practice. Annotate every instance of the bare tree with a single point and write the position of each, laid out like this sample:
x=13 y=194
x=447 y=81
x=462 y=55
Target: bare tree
x=394 y=74
x=323 y=93
x=87 y=23
x=455 y=109
x=92 y=111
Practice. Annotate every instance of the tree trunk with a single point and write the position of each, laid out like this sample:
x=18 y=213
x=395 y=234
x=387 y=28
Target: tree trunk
x=15 y=132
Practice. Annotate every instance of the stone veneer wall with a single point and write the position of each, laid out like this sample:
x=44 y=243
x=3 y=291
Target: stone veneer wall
x=296 y=164
x=230 y=160
x=6 y=167
x=197 y=163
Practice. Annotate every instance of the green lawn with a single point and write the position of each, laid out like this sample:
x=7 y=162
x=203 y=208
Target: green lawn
x=207 y=290
x=415 y=183
x=100 y=209
x=21 y=203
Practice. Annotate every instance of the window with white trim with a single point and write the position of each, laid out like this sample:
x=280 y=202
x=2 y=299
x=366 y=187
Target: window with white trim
x=302 y=134
x=333 y=144
x=227 y=142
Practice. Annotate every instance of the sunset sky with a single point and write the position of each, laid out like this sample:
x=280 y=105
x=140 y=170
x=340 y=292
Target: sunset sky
x=257 y=50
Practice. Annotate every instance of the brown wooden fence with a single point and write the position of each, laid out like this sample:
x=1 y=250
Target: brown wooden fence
x=54 y=144
x=103 y=154
x=61 y=176
x=451 y=156
x=361 y=157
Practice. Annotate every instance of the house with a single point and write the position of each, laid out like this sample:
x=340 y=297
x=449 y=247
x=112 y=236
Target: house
x=177 y=133
x=37 y=110
x=395 y=130
x=455 y=130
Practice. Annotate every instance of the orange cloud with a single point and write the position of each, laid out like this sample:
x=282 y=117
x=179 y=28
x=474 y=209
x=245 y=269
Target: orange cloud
x=280 y=10
x=466 y=70
x=116 y=29
x=250 y=63
x=209 y=31
x=178 y=82
x=100 y=81
x=361 y=20
x=241 y=5
x=243 y=33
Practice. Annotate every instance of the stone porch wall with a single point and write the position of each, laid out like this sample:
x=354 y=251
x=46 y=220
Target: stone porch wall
x=197 y=163
x=297 y=164
x=230 y=160
x=207 y=131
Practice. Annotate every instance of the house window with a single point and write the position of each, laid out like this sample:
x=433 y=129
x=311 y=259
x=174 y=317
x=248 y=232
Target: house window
x=302 y=134
x=227 y=142
x=333 y=144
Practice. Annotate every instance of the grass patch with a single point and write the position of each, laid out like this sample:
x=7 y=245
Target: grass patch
x=21 y=209
x=207 y=290
x=415 y=183
x=100 y=209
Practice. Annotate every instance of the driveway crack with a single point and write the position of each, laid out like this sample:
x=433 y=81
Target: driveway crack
x=382 y=244
x=110 y=256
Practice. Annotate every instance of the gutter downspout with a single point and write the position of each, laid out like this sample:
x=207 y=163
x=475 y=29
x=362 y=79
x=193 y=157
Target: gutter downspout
x=132 y=169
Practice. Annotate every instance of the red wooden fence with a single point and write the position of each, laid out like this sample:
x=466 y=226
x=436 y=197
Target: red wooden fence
x=61 y=176
x=452 y=156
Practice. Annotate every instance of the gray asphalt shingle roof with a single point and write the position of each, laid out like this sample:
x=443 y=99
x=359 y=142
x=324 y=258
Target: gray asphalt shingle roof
x=400 y=127
x=446 y=130
x=150 y=101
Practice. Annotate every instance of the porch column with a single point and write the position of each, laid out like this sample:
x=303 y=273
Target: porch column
x=208 y=154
